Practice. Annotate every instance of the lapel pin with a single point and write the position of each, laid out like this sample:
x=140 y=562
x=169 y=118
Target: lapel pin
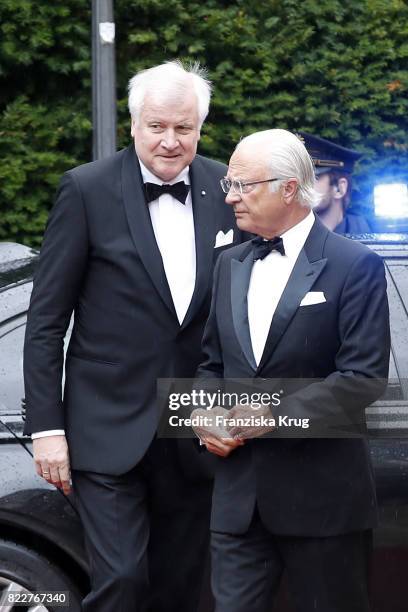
x=203 y=193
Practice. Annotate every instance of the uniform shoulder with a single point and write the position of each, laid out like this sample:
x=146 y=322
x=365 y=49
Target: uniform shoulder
x=356 y=223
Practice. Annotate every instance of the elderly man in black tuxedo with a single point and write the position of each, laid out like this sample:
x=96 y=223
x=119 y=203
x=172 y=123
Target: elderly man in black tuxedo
x=129 y=249
x=298 y=302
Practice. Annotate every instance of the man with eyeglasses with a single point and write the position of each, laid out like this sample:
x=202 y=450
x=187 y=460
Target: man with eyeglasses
x=297 y=302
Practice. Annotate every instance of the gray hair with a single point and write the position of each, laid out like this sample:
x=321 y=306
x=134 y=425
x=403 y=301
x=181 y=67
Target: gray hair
x=286 y=157
x=170 y=81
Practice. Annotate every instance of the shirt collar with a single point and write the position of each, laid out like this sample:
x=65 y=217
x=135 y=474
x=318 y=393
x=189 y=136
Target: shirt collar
x=295 y=237
x=149 y=177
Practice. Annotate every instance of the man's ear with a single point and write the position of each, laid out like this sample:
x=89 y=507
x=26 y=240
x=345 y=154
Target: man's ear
x=289 y=190
x=340 y=189
x=132 y=128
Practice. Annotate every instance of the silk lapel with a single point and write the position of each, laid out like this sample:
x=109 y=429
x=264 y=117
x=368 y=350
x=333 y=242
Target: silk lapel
x=305 y=273
x=204 y=196
x=240 y=277
x=140 y=225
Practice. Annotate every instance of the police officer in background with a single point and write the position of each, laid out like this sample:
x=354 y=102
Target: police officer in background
x=333 y=170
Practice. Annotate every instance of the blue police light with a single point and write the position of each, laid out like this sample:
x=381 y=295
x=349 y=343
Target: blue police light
x=391 y=200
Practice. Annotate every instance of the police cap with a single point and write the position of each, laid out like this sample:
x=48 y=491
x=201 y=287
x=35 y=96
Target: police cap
x=327 y=155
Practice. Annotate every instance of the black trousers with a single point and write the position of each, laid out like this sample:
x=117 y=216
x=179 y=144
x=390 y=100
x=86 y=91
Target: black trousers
x=327 y=574
x=146 y=535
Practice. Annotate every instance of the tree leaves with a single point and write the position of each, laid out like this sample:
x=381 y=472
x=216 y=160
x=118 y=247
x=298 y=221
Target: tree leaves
x=337 y=68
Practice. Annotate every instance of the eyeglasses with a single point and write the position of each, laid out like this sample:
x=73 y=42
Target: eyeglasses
x=238 y=186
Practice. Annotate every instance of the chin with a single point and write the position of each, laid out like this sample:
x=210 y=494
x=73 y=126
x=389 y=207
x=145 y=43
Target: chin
x=243 y=225
x=167 y=174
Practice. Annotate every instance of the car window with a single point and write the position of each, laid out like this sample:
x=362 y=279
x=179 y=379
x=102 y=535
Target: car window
x=11 y=366
x=397 y=280
x=388 y=417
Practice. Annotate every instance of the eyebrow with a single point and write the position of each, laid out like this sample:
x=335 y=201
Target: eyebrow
x=181 y=123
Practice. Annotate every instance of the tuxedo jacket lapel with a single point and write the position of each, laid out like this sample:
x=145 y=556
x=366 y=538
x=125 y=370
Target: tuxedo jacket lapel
x=203 y=197
x=140 y=225
x=306 y=271
x=240 y=277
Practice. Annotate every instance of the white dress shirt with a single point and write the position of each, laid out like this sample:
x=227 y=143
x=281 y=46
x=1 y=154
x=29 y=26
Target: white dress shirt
x=173 y=226
x=268 y=280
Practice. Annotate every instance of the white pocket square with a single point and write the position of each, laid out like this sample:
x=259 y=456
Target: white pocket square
x=313 y=297
x=222 y=239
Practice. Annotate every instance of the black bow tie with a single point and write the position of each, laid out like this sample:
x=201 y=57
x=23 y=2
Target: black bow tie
x=262 y=248
x=178 y=190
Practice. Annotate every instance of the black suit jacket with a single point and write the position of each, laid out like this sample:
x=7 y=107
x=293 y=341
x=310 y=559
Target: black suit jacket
x=306 y=487
x=100 y=260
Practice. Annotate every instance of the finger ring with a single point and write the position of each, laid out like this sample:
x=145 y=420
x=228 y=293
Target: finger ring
x=46 y=473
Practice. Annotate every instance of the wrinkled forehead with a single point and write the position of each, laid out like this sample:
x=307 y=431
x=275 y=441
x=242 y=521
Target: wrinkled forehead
x=171 y=103
x=246 y=161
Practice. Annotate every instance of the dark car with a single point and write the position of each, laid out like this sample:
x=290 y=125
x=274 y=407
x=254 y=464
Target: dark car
x=41 y=547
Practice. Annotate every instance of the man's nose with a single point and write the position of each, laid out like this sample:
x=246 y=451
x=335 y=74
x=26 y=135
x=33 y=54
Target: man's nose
x=170 y=140
x=232 y=197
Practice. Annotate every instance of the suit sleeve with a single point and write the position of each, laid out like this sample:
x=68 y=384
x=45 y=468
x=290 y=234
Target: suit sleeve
x=57 y=283
x=362 y=359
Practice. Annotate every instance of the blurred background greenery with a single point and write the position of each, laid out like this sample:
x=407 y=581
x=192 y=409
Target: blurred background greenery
x=335 y=68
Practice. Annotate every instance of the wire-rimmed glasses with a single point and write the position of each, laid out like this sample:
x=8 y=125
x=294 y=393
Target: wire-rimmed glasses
x=241 y=187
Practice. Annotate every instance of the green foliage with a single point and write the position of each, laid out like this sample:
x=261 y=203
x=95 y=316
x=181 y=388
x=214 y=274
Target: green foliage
x=334 y=68
x=45 y=106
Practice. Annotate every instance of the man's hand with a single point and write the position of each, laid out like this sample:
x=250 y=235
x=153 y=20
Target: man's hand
x=52 y=461
x=243 y=432
x=209 y=426
x=215 y=437
x=221 y=446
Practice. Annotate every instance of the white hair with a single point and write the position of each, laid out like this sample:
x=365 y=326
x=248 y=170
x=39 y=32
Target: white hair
x=170 y=81
x=286 y=157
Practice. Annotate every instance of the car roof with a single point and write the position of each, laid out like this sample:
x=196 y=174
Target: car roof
x=17 y=263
